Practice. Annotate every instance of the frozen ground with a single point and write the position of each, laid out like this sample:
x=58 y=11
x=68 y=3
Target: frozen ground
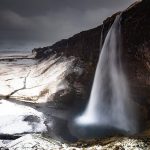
x=26 y=86
x=35 y=82
x=36 y=142
x=17 y=119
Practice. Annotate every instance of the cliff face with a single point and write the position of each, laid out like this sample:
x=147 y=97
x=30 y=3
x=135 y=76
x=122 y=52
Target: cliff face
x=136 y=52
x=85 y=46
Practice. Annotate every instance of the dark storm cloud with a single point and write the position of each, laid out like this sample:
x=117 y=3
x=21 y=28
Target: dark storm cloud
x=24 y=22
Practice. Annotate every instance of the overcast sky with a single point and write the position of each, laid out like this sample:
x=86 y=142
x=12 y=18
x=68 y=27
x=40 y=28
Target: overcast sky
x=25 y=24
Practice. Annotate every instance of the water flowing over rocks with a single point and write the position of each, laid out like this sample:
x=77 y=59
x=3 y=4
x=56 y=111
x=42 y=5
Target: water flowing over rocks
x=58 y=84
x=135 y=55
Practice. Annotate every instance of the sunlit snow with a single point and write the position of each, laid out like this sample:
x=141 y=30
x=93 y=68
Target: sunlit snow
x=13 y=119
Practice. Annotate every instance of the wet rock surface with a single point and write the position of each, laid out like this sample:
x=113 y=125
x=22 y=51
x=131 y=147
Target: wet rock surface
x=37 y=142
x=59 y=84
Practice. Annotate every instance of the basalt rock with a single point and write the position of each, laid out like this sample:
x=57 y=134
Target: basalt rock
x=85 y=46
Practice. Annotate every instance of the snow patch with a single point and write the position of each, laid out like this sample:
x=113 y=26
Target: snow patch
x=12 y=119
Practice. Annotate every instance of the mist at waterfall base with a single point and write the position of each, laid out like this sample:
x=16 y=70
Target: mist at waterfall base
x=110 y=110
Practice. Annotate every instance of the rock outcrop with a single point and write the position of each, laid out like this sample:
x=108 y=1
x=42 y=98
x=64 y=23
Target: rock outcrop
x=66 y=69
x=85 y=47
x=37 y=142
x=35 y=82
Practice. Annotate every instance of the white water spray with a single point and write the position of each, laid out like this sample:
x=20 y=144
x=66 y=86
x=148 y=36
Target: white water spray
x=110 y=103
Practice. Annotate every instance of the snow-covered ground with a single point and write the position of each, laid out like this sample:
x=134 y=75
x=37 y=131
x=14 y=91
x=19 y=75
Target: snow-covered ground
x=34 y=82
x=16 y=119
x=17 y=58
x=15 y=54
x=25 y=89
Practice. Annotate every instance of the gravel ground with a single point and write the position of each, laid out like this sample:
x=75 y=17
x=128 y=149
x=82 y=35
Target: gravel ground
x=36 y=142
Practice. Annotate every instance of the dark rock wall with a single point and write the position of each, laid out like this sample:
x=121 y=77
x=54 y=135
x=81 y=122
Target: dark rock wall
x=136 y=51
x=85 y=46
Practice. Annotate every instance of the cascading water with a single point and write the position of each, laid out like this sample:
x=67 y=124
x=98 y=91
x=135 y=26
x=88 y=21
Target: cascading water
x=110 y=103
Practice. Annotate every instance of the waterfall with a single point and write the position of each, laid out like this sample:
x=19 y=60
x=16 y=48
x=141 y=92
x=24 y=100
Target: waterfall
x=110 y=103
